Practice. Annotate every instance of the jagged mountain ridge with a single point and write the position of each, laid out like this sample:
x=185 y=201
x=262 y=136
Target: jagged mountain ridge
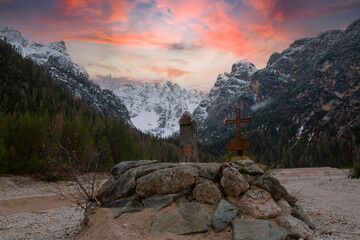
x=55 y=59
x=230 y=90
x=308 y=97
x=156 y=108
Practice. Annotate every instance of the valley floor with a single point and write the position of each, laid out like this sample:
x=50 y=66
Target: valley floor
x=31 y=210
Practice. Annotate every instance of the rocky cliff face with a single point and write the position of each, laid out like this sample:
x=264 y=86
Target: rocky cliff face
x=156 y=108
x=57 y=62
x=307 y=97
x=230 y=91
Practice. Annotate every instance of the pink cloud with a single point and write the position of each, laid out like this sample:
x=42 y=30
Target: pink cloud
x=95 y=10
x=171 y=72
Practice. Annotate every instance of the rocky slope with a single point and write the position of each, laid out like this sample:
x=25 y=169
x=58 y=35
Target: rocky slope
x=156 y=108
x=305 y=103
x=231 y=90
x=57 y=62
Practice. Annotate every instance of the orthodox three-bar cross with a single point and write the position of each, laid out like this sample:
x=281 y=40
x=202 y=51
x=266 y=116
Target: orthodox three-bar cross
x=240 y=143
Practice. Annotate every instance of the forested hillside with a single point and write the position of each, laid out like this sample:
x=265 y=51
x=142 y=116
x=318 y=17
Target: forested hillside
x=37 y=116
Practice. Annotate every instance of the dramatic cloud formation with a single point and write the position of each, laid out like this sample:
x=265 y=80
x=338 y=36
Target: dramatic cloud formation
x=187 y=41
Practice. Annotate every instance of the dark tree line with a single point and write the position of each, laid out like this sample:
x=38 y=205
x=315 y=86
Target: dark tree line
x=37 y=115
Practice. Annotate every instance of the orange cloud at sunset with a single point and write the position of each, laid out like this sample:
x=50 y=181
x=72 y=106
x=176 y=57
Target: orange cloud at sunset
x=204 y=36
x=171 y=72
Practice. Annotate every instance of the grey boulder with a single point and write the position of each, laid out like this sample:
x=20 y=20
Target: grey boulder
x=247 y=167
x=272 y=185
x=299 y=213
x=122 y=167
x=224 y=213
x=122 y=187
x=170 y=180
x=124 y=206
x=162 y=201
x=190 y=217
x=257 y=230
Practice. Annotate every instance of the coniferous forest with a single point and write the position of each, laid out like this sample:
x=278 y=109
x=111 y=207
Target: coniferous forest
x=38 y=116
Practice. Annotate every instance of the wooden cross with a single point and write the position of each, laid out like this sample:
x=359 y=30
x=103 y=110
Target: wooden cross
x=238 y=121
x=240 y=143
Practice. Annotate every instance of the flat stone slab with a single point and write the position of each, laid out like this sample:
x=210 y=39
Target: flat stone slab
x=122 y=167
x=247 y=167
x=257 y=230
x=124 y=206
x=144 y=170
x=160 y=202
x=122 y=187
x=190 y=217
x=299 y=213
x=224 y=213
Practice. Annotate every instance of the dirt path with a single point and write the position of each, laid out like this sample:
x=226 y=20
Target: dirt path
x=31 y=204
x=30 y=210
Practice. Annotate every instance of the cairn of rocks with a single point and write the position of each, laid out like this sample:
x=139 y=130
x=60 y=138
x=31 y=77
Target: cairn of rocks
x=207 y=195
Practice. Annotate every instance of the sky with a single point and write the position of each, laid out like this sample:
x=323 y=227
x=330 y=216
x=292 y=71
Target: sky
x=188 y=42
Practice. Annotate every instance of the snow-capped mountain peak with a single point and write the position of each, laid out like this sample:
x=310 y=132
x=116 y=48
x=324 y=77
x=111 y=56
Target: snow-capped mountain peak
x=56 y=60
x=156 y=108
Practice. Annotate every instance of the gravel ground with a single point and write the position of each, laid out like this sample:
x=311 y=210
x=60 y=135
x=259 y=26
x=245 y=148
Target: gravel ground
x=58 y=223
x=330 y=199
x=32 y=209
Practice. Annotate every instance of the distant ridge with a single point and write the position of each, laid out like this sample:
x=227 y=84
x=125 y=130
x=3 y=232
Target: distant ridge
x=57 y=62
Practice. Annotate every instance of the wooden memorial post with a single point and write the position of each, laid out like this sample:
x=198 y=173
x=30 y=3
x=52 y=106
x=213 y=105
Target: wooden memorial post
x=238 y=144
x=188 y=138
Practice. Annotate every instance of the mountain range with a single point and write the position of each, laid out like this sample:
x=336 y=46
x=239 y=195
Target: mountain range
x=57 y=62
x=305 y=103
x=156 y=108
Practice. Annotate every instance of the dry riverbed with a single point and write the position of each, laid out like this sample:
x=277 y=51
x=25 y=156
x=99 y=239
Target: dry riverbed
x=31 y=210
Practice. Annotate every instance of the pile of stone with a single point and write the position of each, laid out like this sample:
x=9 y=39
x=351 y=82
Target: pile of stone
x=207 y=195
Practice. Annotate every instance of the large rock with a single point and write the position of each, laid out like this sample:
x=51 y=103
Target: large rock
x=143 y=170
x=247 y=167
x=207 y=192
x=259 y=204
x=233 y=182
x=257 y=230
x=122 y=187
x=299 y=213
x=286 y=209
x=122 y=167
x=224 y=213
x=165 y=181
x=190 y=217
x=124 y=206
x=209 y=170
x=160 y=202
x=104 y=188
x=294 y=227
x=272 y=185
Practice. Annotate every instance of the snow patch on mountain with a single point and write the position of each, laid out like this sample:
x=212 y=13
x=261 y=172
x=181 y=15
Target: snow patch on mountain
x=156 y=108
